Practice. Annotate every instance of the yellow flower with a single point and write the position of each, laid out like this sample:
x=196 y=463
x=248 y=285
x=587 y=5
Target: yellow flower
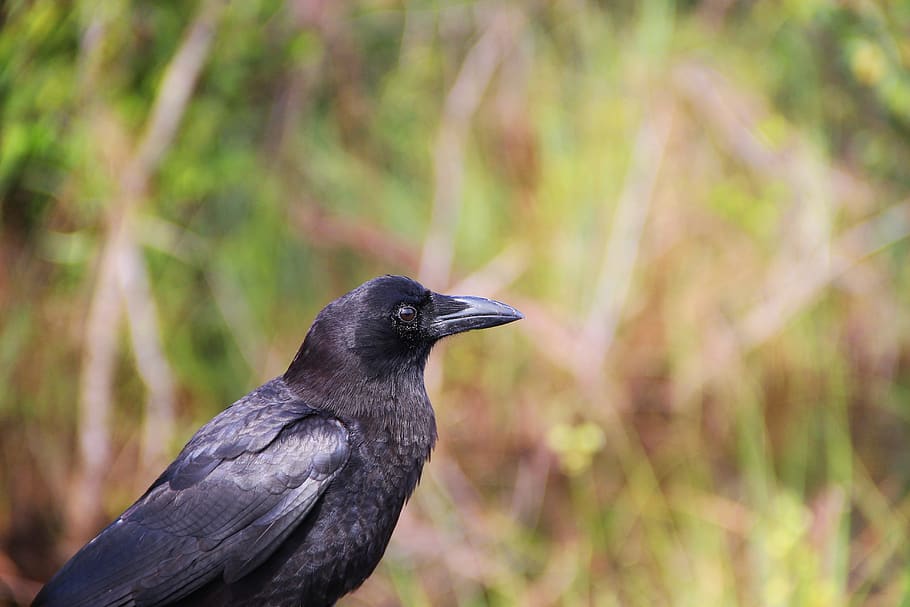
x=868 y=63
x=575 y=445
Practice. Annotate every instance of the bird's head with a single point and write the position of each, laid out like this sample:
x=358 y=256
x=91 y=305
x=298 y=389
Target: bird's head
x=388 y=326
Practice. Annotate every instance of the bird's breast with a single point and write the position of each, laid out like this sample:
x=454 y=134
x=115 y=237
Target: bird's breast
x=360 y=509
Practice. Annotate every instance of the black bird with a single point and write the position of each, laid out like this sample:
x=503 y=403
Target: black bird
x=290 y=495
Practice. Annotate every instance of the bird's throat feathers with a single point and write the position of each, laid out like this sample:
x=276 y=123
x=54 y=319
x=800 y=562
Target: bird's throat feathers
x=387 y=390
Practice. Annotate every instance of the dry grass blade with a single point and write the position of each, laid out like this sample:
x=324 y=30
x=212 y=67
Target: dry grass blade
x=448 y=159
x=323 y=229
x=174 y=93
x=806 y=281
x=150 y=359
x=615 y=276
x=95 y=397
x=121 y=266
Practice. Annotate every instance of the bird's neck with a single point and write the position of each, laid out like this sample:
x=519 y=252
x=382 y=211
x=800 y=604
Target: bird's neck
x=396 y=402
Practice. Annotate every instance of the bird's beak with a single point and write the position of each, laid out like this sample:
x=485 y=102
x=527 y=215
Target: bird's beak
x=464 y=313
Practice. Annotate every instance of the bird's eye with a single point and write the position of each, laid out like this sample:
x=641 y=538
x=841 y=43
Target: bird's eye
x=407 y=313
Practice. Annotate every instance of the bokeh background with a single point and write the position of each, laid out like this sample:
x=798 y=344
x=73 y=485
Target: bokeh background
x=702 y=208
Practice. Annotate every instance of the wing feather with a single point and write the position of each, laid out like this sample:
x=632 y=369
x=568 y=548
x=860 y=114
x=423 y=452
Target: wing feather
x=219 y=510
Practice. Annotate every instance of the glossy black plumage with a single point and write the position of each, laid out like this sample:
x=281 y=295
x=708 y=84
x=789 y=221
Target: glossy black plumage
x=290 y=495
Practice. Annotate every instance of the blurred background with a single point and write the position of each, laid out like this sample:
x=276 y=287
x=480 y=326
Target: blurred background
x=702 y=209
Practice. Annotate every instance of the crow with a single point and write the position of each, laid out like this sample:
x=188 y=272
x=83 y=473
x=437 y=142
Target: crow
x=290 y=495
